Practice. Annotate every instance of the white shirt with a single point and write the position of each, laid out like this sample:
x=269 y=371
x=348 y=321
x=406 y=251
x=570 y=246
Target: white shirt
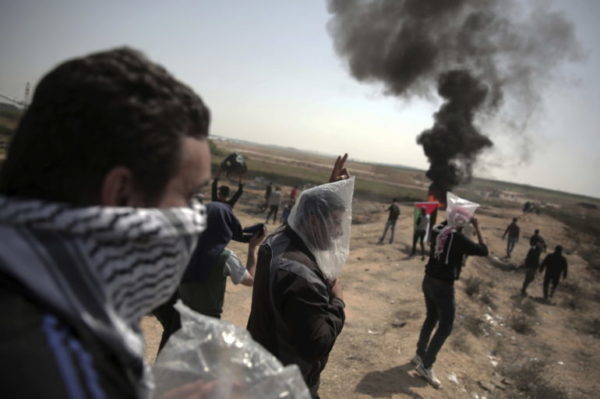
x=234 y=268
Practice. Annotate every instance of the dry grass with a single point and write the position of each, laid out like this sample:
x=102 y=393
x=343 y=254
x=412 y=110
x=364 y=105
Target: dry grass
x=529 y=381
x=522 y=324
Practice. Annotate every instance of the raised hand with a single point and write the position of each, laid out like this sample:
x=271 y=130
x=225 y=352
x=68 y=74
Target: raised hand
x=339 y=171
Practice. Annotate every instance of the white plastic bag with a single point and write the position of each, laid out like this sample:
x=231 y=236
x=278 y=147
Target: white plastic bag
x=459 y=210
x=322 y=217
x=209 y=349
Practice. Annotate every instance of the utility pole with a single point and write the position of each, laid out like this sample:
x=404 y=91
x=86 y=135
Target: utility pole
x=23 y=103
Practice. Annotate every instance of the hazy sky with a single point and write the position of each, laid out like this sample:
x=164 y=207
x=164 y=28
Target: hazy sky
x=269 y=73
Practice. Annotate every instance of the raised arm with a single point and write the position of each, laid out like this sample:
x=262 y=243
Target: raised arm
x=238 y=193
x=215 y=183
x=339 y=171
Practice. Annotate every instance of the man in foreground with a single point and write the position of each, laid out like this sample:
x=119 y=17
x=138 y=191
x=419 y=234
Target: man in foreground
x=297 y=303
x=448 y=251
x=96 y=223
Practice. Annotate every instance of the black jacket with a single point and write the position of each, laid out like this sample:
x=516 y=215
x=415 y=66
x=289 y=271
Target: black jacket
x=448 y=265
x=294 y=314
x=555 y=265
x=44 y=356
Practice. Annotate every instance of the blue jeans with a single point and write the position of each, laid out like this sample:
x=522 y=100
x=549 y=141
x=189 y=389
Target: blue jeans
x=389 y=224
x=440 y=303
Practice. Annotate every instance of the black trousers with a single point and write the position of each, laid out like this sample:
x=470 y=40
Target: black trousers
x=441 y=306
x=169 y=319
x=550 y=279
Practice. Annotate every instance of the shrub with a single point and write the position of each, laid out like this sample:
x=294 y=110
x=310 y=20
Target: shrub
x=488 y=299
x=528 y=308
x=474 y=325
x=521 y=324
x=458 y=341
x=473 y=286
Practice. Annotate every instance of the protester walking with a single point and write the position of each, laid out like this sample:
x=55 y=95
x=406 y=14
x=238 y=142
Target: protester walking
x=393 y=214
x=555 y=265
x=532 y=263
x=512 y=236
x=274 y=202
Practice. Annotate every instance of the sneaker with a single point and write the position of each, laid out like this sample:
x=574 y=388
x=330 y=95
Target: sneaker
x=427 y=375
x=417 y=361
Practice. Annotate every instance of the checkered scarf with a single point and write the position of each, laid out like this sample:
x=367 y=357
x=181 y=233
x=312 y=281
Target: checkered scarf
x=104 y=266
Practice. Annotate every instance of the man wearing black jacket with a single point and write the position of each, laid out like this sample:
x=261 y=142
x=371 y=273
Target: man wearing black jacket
x=297 y=308
x=555 y=265
x=448 y=251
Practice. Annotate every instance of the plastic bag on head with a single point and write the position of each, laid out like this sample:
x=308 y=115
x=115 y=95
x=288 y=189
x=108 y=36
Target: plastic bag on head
x=322 y=217
x=459 y=210
x=209 y=349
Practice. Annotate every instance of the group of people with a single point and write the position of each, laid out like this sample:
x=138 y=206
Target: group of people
x=100 y=225
x=274 y=200
x=422 y=225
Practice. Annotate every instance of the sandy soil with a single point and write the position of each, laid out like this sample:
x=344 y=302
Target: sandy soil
x=385 y=309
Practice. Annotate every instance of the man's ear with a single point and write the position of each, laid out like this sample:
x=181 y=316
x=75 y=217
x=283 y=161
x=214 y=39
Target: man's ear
x=117 y=188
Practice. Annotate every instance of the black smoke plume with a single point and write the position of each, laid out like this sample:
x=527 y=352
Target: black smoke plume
x=479 y=52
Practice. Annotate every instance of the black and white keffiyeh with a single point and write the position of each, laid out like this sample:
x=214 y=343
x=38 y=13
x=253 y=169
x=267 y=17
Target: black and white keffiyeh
x=105 y=266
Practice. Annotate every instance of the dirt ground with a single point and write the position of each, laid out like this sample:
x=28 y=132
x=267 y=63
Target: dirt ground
x=485 y=356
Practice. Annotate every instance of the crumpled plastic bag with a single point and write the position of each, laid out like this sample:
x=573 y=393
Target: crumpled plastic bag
x=210 y=349
x=322 y=217
x=459 y=210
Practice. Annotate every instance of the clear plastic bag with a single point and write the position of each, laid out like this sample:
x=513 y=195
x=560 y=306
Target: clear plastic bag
x=459 y=210
x=322 y=217
x=209 y=349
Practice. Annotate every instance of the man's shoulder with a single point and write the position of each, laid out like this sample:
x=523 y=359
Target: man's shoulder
x=288 y=259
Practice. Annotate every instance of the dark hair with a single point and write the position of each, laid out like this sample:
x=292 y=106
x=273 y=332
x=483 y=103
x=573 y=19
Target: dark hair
x=514 y=219
x=558 y=249
x=224 y=191
x=320 y=204
x=90 y=114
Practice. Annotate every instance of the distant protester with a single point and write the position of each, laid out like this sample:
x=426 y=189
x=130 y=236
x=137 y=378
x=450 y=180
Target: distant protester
x=555 y=265
x=449 y=248
x=97 y=223
x=421 y=225
x=512 y=235
x=536 y=239
x=393 y=214
x=297 y=308
x=532 y=262
x=268 y=190
x=274 y=202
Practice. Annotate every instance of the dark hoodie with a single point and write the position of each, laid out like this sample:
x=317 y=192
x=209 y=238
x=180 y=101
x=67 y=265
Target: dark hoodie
x=448 y=265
